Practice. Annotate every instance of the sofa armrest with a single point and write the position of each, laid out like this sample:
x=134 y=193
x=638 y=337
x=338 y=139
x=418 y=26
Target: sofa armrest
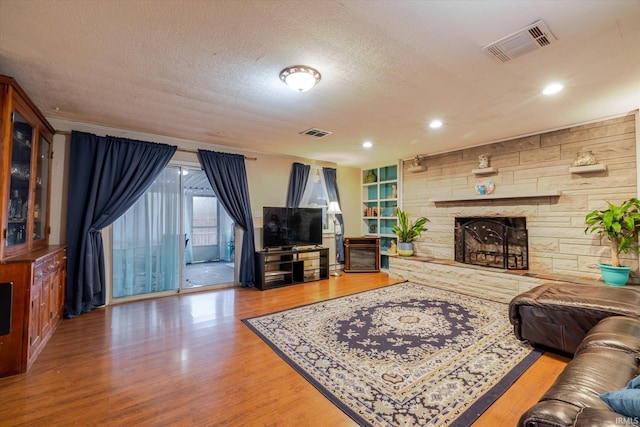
x=592 y=417
x=549 y=413
x=554 y=413
x=615 y=332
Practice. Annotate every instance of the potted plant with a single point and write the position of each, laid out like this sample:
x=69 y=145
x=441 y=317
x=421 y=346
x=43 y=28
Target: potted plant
x=619 y=224
x=408 y=232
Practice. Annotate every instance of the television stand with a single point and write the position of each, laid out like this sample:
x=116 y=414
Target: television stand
x=276 y=268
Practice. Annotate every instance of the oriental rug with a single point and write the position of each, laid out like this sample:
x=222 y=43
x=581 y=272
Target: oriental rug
x=403 y=355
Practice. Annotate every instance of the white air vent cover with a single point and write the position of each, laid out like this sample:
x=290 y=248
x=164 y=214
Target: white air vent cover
x=521 y=42
x=315 y=132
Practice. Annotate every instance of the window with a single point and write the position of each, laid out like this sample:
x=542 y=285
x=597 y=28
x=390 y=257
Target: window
x=204 y=224
x=315 y=195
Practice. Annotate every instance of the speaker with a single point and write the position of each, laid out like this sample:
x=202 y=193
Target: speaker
x=6 y=295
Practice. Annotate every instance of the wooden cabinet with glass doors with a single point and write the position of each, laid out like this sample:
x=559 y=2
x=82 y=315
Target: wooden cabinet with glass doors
x=34 y=269
x=24 y=172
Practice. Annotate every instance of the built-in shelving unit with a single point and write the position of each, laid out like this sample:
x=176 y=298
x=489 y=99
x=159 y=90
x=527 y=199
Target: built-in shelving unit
x=380 y=202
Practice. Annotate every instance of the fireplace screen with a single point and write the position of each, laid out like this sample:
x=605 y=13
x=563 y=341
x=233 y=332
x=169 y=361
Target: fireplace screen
x=492 y=242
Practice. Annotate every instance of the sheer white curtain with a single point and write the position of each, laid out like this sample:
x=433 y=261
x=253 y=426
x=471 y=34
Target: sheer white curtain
x=188 y=238
x=147 y=239
x=315 y=195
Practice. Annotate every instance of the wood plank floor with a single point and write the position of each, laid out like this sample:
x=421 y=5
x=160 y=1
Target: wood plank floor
x=188 y=361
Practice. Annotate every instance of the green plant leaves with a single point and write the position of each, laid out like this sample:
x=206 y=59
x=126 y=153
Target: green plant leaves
x=406 y=231
x=619 y=224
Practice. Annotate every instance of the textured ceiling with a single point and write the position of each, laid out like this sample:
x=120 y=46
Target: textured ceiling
x=208 y=70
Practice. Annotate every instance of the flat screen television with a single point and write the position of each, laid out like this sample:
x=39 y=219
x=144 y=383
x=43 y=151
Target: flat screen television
x=288 y=227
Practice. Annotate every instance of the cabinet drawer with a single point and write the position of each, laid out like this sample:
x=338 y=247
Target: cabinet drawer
x=60 y=258
x=39 y=270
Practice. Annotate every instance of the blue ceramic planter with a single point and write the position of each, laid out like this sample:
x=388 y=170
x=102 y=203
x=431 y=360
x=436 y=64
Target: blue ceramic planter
x=615 y=276
x=405 y=249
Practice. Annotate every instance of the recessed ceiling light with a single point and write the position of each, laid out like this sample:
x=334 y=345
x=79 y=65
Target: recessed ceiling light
x=367 y=144
x=435 y=124
x=553 y=88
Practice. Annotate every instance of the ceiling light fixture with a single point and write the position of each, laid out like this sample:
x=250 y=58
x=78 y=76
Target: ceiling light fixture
x=367 y=144
x=552 y=88
x=435 y=124
x=300 y=77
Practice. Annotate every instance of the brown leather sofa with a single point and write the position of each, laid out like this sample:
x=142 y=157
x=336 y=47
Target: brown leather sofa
x=558 y=316
x=600 y=327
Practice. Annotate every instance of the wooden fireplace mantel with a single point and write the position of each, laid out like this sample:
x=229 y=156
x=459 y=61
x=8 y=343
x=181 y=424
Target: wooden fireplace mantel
x=477 y=197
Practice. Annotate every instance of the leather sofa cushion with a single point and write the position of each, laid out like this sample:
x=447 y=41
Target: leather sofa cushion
x=593 y=371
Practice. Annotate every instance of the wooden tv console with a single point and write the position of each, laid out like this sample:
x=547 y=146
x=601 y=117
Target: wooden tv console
x=275 y=268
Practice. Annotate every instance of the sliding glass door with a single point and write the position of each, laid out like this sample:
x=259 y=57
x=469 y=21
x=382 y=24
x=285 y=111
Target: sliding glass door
x=176 y=237
x=146 y=241
x=209 y=234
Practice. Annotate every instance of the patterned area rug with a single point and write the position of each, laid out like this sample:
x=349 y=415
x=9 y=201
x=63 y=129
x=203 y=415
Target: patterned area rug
x=402 y=355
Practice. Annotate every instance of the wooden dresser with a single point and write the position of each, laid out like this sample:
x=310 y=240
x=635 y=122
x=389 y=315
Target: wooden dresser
x=37 y=305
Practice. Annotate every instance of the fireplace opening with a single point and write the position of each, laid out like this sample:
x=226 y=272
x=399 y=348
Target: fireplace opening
x=500 y=242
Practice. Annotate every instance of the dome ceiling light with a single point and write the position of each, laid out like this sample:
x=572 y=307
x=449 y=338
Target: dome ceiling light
x=300 y=77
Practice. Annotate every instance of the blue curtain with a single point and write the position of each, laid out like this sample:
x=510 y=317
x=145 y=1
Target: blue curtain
x=331 y=181
x=297 y=183
x=228 y=178
x=107 y=176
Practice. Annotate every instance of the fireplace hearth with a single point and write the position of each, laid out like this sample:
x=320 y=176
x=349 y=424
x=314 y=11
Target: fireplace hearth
x=499 y=242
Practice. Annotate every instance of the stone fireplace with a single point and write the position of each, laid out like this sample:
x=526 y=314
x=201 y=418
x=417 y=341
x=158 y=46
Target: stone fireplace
x=532 y=178
x=499 y=242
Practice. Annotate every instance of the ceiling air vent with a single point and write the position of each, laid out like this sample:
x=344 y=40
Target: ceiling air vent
x=315 y=132
x=520 y=43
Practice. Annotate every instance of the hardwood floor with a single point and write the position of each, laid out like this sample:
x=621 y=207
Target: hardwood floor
x=188 y=360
